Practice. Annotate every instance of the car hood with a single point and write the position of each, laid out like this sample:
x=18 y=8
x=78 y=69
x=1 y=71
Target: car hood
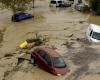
x=61 y=71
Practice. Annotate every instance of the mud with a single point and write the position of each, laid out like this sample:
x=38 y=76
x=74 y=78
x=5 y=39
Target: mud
x=83 y=58
x=65 y=30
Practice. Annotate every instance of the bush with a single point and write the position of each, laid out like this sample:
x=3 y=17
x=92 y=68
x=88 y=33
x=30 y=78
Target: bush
x=38 y=40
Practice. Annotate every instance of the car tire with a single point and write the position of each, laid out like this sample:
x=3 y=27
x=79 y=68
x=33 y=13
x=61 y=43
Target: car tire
x=13 y=18
x=32 y=60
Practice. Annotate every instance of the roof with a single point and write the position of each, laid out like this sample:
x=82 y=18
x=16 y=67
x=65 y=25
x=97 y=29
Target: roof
x=95 y=28
x=50 y=51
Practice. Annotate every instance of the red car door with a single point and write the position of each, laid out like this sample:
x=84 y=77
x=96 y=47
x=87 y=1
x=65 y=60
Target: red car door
x=48 y=62
x=44 y=61
x=40 y=58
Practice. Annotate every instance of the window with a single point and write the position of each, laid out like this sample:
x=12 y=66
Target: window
x=41 y=53
x=58 y=62
x=96 y=35
x=59 y=1
x=53 y=2
x=48 y=60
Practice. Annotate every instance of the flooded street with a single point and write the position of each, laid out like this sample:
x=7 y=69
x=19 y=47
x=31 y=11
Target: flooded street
x=94 y=19
x=66 y=31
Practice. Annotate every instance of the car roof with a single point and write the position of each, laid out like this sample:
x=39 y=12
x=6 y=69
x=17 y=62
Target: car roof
x=49 y=51
x=95 y=28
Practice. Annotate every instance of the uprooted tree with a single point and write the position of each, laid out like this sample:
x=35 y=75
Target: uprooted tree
x=16 y=5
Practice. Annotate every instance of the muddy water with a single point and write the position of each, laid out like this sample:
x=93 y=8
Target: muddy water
x=57 y=23
x=94 y=19
x=50 y=21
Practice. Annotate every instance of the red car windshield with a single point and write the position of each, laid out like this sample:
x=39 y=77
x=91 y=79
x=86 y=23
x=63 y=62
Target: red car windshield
x=58 y=62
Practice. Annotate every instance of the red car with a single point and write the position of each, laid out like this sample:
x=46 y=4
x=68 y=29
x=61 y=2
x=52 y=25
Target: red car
x=49 y=60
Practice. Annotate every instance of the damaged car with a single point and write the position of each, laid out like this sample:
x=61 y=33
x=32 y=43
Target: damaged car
x=49 y=60
x=93 y=33
x=21 y=16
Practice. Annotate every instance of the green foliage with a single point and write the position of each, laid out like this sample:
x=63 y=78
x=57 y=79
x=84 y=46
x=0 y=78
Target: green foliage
x=38 y=40
x=15 y=5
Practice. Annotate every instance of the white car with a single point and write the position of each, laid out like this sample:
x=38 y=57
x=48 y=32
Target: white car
x=59 y=3
x=93 y=33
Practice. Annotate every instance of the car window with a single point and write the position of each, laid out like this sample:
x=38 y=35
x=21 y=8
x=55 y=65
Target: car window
x=59 y=1
x=26 y=14
x=53 y=2
x=47 y=59
x=58 y=62
x=96 y=35
x=41 y=53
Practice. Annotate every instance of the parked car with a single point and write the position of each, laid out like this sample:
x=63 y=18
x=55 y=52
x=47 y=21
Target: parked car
x=59 y=3
x=93 y=33
x=79 y=7
x=49 y=60
x=21 y=16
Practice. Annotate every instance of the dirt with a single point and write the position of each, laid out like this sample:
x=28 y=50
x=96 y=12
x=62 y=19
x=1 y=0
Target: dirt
x=65 y=31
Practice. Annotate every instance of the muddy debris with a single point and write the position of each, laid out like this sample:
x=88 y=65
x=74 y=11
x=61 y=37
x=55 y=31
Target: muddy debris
x=83 y=40
x=38 y=40
x=83 y=58
x=71 y=35
x=24 y=66
x=79 y=72
x=2 y=35
x=68 y=44
x=8 y=55
x=81 y=22
x=53 y=47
